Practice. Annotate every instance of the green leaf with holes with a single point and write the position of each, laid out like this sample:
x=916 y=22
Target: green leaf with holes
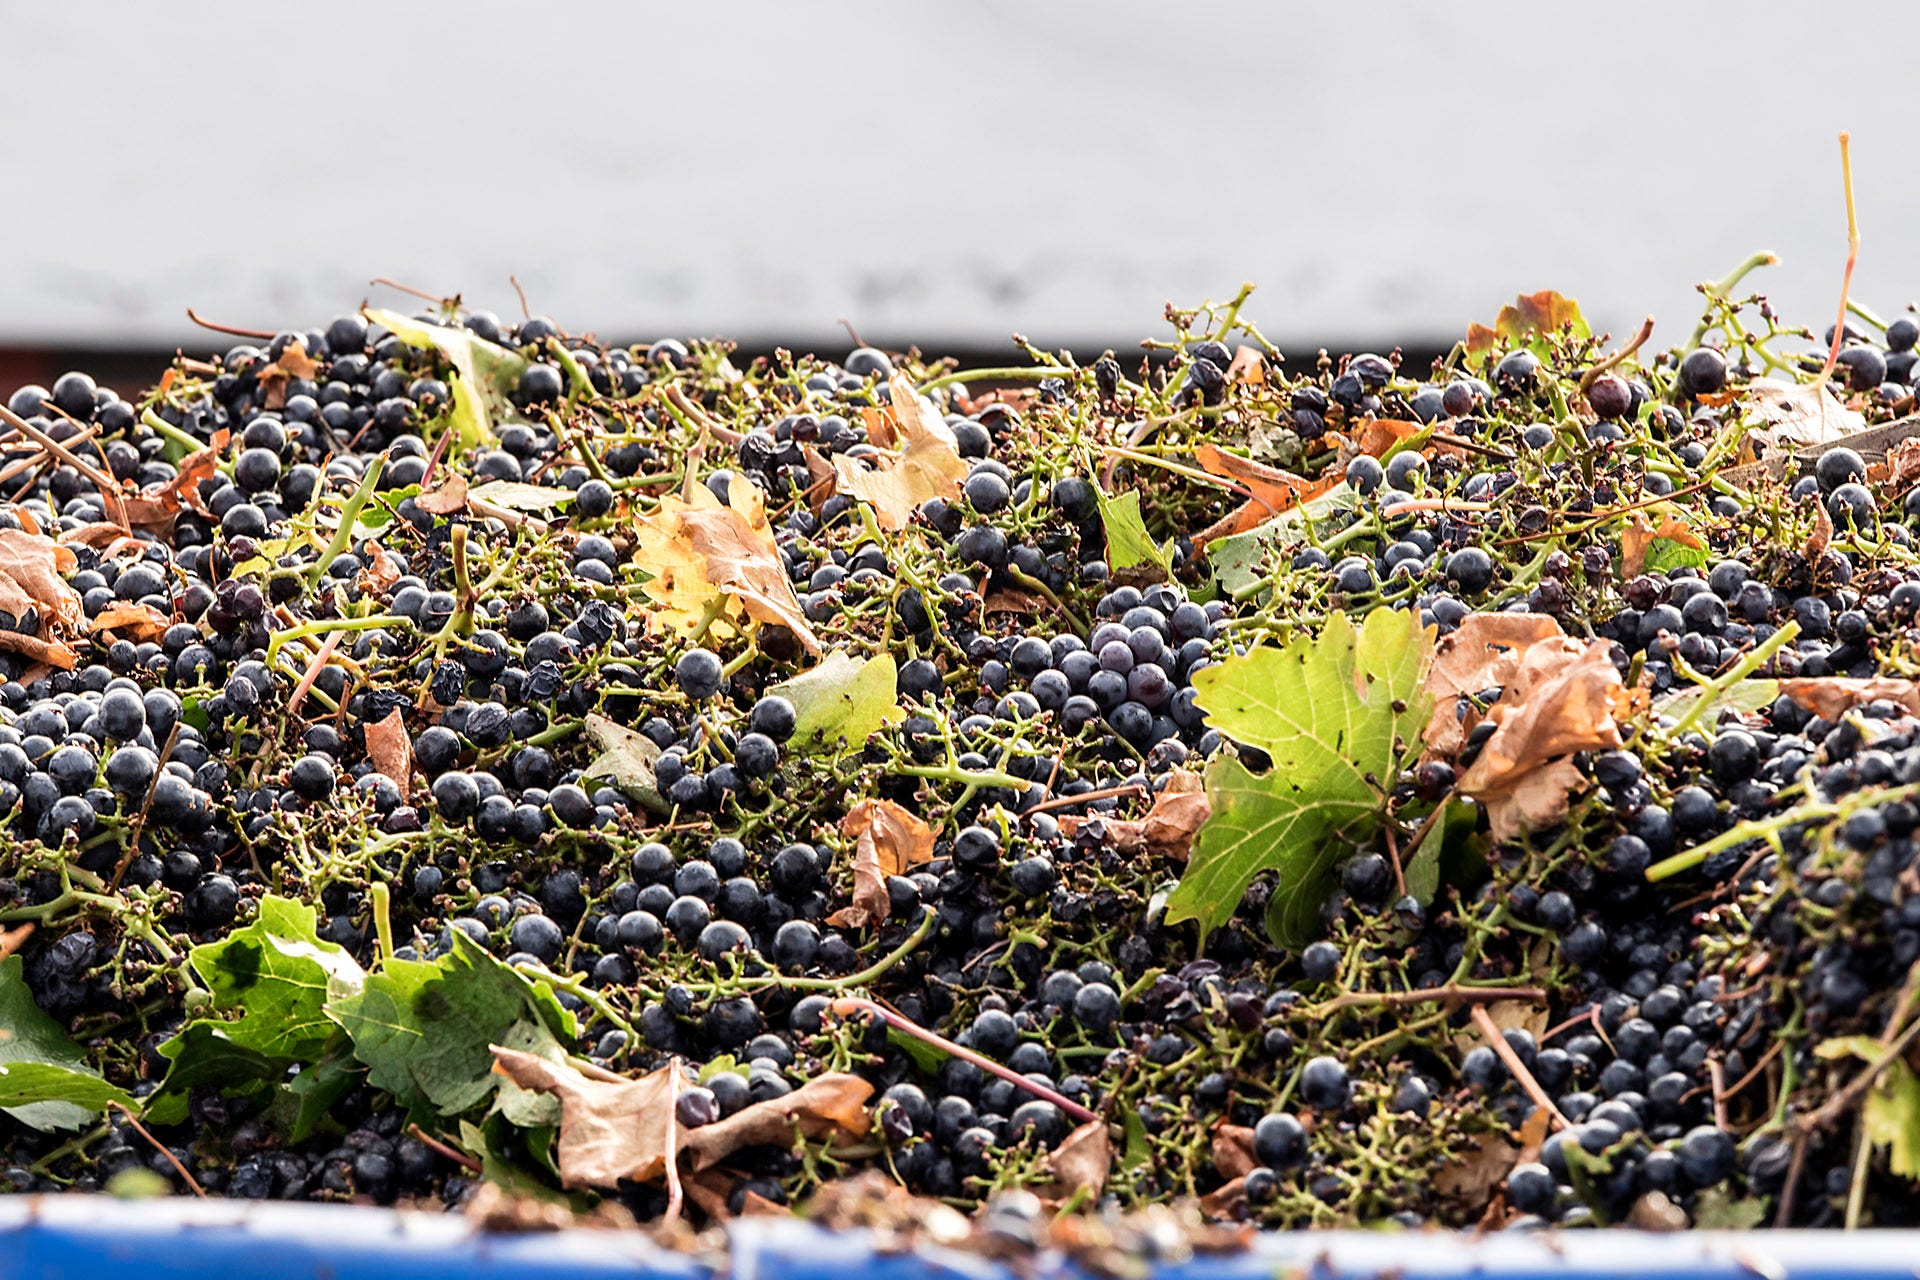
x=1336 y=715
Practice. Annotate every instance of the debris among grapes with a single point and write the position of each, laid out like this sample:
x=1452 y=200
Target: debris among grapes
x=452 y=762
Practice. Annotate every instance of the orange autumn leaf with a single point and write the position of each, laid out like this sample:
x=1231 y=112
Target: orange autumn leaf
x=1168 y=828
x=155 y=506
x=1377 y=435
x=927 y=466
x=888 y=841
x=1546 y=311
x=294 y=362
x=1273 y=491
x=1639 y=537
x=133 y=620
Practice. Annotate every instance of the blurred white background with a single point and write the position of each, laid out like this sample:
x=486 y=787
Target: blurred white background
x=941 y=173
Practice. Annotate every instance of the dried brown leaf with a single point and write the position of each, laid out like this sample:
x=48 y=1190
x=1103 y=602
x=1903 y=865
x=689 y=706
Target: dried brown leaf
x=390 y=748
x=1822 y=536
x=1232 y=1150
x=1470 y=1179
x=100 y=535
x=1903 y=468
x=294 y=362
x=1168 y=828
x=1833 y=696
x=1377 y=435
x=1083 y=1160
x=380 y=574
x=1012 y=600
x=826 y=1106
x=888 y=841
x=928 y=465
x=156 y=506
x=1484 y=651
x=134 y=621
x=608 y=1130
x=1248 y=366
x=1563 y=698
x=1226 y=1201
x=446 y=495
x=1273 y=491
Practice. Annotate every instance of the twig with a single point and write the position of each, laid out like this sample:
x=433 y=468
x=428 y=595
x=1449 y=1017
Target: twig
x=1393 y=858
x=1753 y=1072
x=11 y=940
x=452 y=1153
x=1103 y=793
x=234 y=330
x=675 y=1195
x=1717 y=1074
x=526 y=312
x=422 y=294
x=854 y=1004
x=312 y=672
x=109 y=487
x=1846 y=278
x=1498 y=1042
x=192 y=1183
x=140 y=819
x=1450 y=993
x=1619 y=357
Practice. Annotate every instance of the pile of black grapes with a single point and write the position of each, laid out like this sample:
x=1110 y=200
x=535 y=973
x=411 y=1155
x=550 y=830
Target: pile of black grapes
x=261 y=626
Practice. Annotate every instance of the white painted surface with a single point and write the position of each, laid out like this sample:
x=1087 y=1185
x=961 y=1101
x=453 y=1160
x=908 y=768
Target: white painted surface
x=942 y=172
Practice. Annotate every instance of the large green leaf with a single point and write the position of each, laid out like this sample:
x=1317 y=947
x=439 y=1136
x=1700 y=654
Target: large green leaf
x=1128 y=542
x=1336 y=714
x=48 y=1084
x=483 y=375
x=841 y=701
x=424 y=1029
x=203 y=1054
x=278 y=975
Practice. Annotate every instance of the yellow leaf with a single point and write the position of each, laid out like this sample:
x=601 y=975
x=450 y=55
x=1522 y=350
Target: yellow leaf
x=701 y=556
x=928 y=465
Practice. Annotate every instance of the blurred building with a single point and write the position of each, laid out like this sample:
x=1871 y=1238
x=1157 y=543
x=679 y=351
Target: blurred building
x=943 y=174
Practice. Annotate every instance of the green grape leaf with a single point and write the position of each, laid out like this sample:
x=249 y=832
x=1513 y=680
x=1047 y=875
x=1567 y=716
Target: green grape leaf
x=626 y=760
x=482 y=376
x=1441 y=850
x=424 y=1030
x=1745 y=696
x=306 y=1100
x=1669 y=553
x=1128 y=543
x=1890 y=1116
x=1716 y=1209
x=278 y=975
x=1335 y=714
x=203 y=1054
x=842 y=700
x=47 y=1083
x=1240 y=561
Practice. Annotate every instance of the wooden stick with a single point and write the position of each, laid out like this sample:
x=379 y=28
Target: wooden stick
x=1497 y=1040
x=172 y=1159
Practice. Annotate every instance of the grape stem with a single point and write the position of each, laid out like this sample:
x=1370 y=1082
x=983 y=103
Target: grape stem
x=349 y=513
x=846 y=1005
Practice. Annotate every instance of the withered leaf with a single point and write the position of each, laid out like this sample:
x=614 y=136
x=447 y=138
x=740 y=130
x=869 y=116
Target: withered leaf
x=1831 y=697
x=615 y=1129
x=156 y=506
x=1822 y=536
x=1083 y=1160
x=1273 y=491
x=1168 y=828
x=698 y=553
x=1377 y=435
x=608 y=1130
x=445 y=495
x=294 y=362
x=390 y=748
x=826 y=1106
x=1903 y=468
x=133 y=620
x=1562 y=698
x=1470 y=1178
x=31 y=587
x=928 y=464
x=888 y=841
x=1232 y=1150
x=1484 y=651
x=1798 y=414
